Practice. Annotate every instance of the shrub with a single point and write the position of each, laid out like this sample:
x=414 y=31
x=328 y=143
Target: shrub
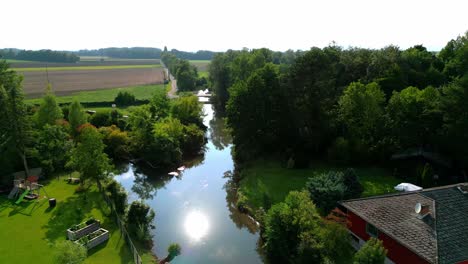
x=193 y=139
x=70 y=253
x=293 y=231
x=373 y=252
x=100 y=119
x=116 y=141
x=173 y=251
x=188 y=110
x=326 y=189
x=118 y=195
x=139 y=220
x=354 y=188
x=124 y=99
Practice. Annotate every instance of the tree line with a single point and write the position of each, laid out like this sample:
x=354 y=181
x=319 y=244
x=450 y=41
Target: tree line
x=45 y=55
x=349 y=105
x=185 y=73
x=146 y=53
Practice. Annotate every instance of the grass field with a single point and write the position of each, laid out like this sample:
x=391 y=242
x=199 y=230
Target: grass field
x=270 y=178
x=202 y=65
x=141 y=92
x=77 y=68
x=203 y=74
x=29 y=230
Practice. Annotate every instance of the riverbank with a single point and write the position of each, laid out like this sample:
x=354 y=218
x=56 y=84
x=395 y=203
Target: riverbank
x=266 y=182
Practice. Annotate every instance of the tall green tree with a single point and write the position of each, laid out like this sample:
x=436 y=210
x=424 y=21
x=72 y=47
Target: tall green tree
x=49 y=111
x=53 y=147
x=373 y=252
x=17 y=133
x=88 y=157
x=361 y=110
x=414 y=117
x=455 y=113
x=293 y=231
x=256 y=113
x=76 y=116
x=188 y=110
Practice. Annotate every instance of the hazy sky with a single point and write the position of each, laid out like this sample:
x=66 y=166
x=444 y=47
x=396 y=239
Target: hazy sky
x=221 y=24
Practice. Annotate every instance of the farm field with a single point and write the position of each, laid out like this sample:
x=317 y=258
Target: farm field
x=29 y=230
x=202 y=65
x=141 y=92
x=92 y=67
x=68 y=82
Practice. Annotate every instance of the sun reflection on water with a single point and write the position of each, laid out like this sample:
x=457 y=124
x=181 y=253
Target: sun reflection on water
x=196 y=225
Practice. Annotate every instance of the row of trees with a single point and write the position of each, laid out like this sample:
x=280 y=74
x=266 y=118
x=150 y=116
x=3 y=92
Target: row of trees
x=39 y=55
x=354 y=105
x=185 y=73
x=146 y=53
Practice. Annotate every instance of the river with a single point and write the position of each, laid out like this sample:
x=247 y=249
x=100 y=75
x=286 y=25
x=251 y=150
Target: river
x=196 y=209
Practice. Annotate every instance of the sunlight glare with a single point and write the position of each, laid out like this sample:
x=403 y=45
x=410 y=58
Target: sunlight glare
x=196 y=225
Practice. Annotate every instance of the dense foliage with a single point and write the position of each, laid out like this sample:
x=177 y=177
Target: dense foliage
x=139 y=220
x=185 y=73
x=53 y=146
x=88 y=157
x=39 y=55
x=49 y=111
x=295 y=232
x=350 y=105
x=328 y=188
x=76 y=116
x=70 y=253
x=15 y=123
x=125 y=99
x=372 y=252
x=118 y=195
x=161 y=133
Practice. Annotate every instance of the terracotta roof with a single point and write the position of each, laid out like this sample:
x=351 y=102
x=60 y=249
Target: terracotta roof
x=441 y=237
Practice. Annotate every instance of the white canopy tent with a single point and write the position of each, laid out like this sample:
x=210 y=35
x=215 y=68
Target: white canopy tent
x=407 y=187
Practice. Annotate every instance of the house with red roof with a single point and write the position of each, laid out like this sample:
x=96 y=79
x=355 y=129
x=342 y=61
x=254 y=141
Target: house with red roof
x=427 y=226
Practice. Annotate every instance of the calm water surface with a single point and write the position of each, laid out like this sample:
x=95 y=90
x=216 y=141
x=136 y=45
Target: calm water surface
x=197 y=208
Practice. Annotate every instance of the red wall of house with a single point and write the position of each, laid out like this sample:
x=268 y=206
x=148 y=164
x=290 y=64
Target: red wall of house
x=396 y=252
x=463 y=262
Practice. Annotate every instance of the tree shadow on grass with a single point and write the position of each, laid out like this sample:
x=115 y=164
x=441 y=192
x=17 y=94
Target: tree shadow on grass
x=72 y=211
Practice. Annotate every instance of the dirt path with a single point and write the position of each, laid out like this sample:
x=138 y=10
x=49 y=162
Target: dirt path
x=173 y=91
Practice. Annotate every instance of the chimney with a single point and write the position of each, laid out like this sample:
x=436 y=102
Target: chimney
x=422 y=210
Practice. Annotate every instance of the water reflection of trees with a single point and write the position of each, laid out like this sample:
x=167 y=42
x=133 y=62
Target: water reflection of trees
x=220 y=136
x=147 y=181
x=241 y=220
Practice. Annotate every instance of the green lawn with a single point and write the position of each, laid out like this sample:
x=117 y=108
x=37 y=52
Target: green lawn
x=202 y=65
x=203 y=74
x=76 y=68
x=29 y=230
x=269 y=177
x=142 y=92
